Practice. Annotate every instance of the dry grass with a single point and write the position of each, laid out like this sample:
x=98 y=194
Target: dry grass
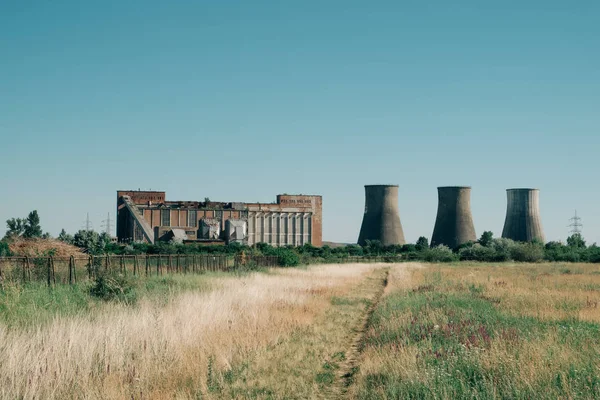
x=184 y=349
x=43 y=247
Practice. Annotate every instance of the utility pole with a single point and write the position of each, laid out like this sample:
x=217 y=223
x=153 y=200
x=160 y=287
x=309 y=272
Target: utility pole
x=575 y=225
x=88 y=224
x=107 y=225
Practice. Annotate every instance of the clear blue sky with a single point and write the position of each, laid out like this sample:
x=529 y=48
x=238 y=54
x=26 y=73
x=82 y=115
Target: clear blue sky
x=241 y=100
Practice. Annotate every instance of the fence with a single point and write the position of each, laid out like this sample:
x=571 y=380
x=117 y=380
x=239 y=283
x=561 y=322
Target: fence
x=70 y=270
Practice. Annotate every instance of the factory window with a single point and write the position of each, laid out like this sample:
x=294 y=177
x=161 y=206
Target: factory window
x=218 y=214
x=244 y=214
x=192 y=218
x=165 y=217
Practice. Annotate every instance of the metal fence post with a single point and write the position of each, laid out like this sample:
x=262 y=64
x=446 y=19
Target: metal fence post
x=71 y=270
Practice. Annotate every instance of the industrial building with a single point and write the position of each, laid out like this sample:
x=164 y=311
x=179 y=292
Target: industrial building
x=454 y=222
x=146 y=216
x=523 y=221
x=381 y=220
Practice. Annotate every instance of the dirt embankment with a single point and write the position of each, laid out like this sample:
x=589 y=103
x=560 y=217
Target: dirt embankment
x=43 y=247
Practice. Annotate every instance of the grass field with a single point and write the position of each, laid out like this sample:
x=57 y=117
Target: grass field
x=485 y=332
x=324 y=332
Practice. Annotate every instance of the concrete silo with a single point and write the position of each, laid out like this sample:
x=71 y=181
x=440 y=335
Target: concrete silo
x=454 y=222
x=382 y=219
x=523 y=222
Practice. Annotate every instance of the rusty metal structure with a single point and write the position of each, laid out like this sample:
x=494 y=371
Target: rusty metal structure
x=381 y=220
x=146 y=216
x=454 y=223
x=523 y=221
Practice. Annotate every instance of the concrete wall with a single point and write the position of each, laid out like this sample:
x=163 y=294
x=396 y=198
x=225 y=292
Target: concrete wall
x=454 y=223
x=523 y=221
x=381 y=220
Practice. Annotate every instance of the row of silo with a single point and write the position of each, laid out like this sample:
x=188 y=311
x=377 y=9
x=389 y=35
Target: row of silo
x=454 y=223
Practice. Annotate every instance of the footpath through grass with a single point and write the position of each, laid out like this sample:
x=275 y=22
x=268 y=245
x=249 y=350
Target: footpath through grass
x=485 y=332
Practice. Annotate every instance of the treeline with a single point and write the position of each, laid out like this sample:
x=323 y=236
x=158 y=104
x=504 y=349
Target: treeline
x=486 y=249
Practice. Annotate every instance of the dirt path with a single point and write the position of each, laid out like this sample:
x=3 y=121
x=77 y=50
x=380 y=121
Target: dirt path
x=349 y=367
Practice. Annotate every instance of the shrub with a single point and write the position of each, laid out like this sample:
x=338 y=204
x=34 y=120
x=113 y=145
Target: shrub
x=4 y=249
x=287 y=258
x=527 y=252
x=114 y=287
x=477 y=252
x=439 y=254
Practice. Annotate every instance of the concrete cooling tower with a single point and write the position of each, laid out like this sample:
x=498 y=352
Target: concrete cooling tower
x=454 y=223
x=382 y=219
x=523 y=222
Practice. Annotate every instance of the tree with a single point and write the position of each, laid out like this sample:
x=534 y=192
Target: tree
x=16 y=227
x=63 y=236
x=26 y=227
x=32 y=226
x=576 y=240
x=422 y=243
x=486 y=238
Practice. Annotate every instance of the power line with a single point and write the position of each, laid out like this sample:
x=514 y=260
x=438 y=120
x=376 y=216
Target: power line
x=575 y=225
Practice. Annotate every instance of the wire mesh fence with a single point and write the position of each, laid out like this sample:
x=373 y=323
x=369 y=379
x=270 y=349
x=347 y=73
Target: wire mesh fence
x=76 y=269
x=70 y=270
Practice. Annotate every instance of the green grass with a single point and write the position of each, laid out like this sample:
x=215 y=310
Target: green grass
x=34 y=304
x=455 y=328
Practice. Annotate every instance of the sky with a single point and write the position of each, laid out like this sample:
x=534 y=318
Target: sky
x=242 y=100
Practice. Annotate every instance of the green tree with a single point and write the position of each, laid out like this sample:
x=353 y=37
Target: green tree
x=63 y=236
x=422 y=243
x=486 y=239
x=89 y=241
x=576 y=240
x=16 y=227
x=32 y=226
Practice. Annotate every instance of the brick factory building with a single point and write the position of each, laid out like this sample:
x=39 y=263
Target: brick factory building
x=146 y=216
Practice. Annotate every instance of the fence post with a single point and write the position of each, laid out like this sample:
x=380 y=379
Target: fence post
x=135 y=265
x=123 y=266
x=71 y=270
x=170 y=265
x=49 y=271
x=28 y=268
x=25 y=269
x=157 y=265
x=147 y=264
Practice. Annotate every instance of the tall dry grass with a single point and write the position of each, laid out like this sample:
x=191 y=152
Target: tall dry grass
x=171 y=351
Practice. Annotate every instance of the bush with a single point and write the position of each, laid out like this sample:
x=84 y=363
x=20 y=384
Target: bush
x=114 y=287
x=477 y=252
x=4 y=249
x=439 y=254
x=527 y=252
x=287 y=258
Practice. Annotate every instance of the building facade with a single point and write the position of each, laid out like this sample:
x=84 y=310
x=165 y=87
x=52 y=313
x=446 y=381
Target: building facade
x=146 y=216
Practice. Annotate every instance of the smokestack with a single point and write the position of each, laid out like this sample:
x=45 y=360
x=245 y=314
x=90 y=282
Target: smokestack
x=382 y=219
x=454 y=223
x=523 y=222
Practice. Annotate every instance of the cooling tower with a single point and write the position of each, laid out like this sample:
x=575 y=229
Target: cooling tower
x=523 y=222
x=454 y=223
x=382 y=219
